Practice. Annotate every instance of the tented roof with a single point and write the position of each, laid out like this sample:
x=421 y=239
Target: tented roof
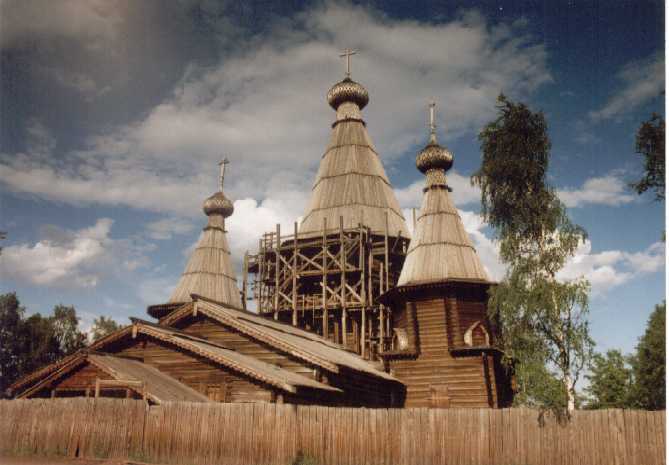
x=351 y=182
x=209 y=271
x=440 y=249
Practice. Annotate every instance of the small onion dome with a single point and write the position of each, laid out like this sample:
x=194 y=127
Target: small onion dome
x=347 y=91
x=218 y=204
x=434 y=156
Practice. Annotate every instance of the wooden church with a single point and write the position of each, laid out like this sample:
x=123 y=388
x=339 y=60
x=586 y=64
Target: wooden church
x=351 y=309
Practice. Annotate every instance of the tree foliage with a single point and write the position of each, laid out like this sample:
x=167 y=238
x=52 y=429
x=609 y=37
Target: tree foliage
x=103 y=326
x=66 y=329
x=650 y=145
x=543 y=318
x=28 y=343
x=649 y=363
x=610 y=381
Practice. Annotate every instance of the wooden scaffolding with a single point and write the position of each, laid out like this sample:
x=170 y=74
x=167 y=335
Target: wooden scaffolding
x=328 y=282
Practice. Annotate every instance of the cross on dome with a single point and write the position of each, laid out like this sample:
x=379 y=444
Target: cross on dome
x=348 y=53
x=222 y=165
x=433 y=126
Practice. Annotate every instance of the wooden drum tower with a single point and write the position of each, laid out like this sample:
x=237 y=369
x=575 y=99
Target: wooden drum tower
x=443 y=349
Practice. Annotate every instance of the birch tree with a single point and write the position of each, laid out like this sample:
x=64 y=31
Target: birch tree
x=543 y=318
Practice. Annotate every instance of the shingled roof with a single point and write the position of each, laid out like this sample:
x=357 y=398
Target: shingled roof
x=244 y=364
x=351 y=182
x=156 y=385
x=289 y=339
x=440 y=249
x=209 y=270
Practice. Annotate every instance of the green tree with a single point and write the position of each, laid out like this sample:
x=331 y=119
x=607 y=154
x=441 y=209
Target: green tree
x=66 y=329
x=543 y=318
x=610 y=381
x=649 y=363
x=103 y=326
x=650 y=145
x=11 y=315
x=39 y=344
x=28 y=343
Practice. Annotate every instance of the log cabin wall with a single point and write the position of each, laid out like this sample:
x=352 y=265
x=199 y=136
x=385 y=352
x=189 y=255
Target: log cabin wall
x=435 y=322
x=75 y=383
x=359 y=389
x=213 y=380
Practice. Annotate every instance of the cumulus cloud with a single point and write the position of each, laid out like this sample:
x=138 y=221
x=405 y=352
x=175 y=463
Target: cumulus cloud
x=87 y=21
x=641 y=81
x=463 y=192
x=72 y=259
x=266 y=109
x=611 y=268
x=166 y=228
x=604 y=190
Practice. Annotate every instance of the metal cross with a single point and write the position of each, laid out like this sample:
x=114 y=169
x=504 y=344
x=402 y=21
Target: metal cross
x=348 y=53
x=222 y=164
x=433 y=126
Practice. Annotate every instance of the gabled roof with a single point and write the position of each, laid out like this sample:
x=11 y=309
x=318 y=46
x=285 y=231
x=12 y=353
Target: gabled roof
x=249 y=366
x=257 y=369
x=351 y=182
x=302 y=344
x=156 y=385
x=46 y=370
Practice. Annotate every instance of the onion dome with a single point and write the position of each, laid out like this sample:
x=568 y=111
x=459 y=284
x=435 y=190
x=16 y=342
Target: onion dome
x=434 y=156
x=348 y=90
x=218 y=204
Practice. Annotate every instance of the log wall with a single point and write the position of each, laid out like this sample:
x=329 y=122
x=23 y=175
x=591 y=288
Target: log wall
x=195 y=433
x=211 y=379
x=359 y=389
x=433 y=376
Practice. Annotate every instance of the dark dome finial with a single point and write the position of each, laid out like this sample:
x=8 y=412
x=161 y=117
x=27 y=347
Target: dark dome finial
x=433 y=156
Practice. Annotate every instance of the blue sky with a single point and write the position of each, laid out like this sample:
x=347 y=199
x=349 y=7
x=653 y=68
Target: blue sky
x=115 y=113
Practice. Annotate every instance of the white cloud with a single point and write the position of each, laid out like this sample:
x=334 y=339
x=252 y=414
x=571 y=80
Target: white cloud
x=88 y=21
x=463 y=192
x=605 y=190
x=266 y=110
x=156 y=290
x=642 y=81
x=165 y=228
x=608 y=269
x=72 y=259
x=486 y=248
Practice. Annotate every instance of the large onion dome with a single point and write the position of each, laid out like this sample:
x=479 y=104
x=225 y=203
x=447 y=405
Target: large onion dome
x=218 y=204
x=348 y=90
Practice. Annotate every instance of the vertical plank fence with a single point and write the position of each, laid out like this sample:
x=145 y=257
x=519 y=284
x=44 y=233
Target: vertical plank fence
x=273 y=434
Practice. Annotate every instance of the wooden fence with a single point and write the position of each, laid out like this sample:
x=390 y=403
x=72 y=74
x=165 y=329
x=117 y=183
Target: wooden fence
x=197 y=433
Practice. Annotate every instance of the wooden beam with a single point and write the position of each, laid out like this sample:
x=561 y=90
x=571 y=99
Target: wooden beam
x=97 y=387
x=363 y=269
x=326 y=324
x=381 y=328
x=245 y=278
x=276 y=271
x=385 y=251
x=262 y=254
x=342 y=266
x=294 y=273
